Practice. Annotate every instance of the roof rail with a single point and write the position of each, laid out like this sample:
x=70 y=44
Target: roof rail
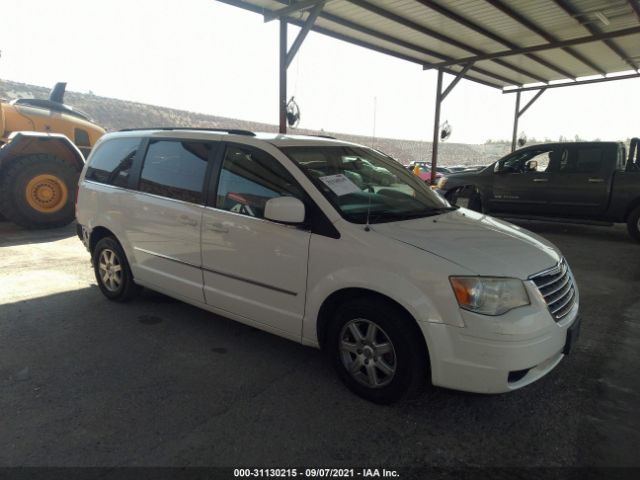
x=321 y=136
x=233 y=131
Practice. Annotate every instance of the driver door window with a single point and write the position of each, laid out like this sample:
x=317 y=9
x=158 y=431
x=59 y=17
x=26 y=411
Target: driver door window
x=249 y=178
x=530 y=161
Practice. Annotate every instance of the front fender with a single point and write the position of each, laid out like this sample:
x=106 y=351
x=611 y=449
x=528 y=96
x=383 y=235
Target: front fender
x=412 y=278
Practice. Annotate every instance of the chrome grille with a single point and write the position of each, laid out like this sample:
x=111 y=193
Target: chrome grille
x=556 y=286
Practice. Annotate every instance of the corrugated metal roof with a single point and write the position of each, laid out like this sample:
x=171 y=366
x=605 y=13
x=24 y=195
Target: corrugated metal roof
x=603 y=35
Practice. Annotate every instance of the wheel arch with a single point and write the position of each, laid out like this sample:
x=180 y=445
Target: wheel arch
x=332 y=303
x=635 y=203
x=97 y=234
x=471 y=189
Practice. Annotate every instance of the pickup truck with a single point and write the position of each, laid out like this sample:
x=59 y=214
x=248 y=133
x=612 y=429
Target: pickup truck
x=583 y=182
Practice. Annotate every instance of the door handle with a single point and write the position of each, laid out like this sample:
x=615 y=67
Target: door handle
x=185 y=220
x=596 y=180
x=539 y=180
x=216 y=227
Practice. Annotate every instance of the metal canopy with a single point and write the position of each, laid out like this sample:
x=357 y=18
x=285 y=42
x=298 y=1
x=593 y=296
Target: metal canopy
x=506 y=44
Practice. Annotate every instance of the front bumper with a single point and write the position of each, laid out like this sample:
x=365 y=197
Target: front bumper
x=499 y=354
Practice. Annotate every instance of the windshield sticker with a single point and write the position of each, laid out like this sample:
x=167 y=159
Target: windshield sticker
x=340 y=184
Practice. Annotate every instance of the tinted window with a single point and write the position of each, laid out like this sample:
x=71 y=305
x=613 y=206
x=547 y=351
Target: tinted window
x=525 y=161
x=249 y=178
x=112 y=161
x=589 y=160
x=584 y=160
x=175 y=169
x=82 y=138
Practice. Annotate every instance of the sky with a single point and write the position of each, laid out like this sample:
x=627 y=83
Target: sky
x=212 y=58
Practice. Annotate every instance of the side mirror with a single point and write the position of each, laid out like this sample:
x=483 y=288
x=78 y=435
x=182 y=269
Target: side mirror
x=288 y=210
x=531 y=165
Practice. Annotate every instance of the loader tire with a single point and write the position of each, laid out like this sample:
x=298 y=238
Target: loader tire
x=38 y=191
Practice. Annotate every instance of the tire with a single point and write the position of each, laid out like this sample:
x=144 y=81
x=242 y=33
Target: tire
x=388 y=344
x=38 y=191
x=474 y=201
x=112 y=271
x=633 y=224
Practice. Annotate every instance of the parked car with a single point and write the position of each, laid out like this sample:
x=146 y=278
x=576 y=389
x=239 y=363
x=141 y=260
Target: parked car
x=396 y=285
x=427 y=165
x=424 y=171
x=457 y=168
x=578 y=182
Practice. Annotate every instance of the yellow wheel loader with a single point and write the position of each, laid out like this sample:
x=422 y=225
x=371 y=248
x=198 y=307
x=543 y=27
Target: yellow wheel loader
x=43 y=147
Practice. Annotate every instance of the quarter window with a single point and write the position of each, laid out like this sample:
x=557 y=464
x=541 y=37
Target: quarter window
x=175 y=169
x=111 y=163
x=249 y=178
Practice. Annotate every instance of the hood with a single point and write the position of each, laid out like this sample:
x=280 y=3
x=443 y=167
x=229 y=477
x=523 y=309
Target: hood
x=480 y=243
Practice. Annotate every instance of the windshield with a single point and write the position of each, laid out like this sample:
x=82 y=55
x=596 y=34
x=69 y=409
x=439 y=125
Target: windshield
x=362 y=183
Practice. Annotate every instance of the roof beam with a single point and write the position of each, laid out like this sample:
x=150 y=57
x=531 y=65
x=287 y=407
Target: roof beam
x=568 y=8
x=489 y=34
x=388 y=38
x=293 y=8
x=571 y=84
x=544 y=34
x=437 y=35
x=378 y=48
x=297 y=43
x=411 y=46
x=455 y=81
x=545 y=46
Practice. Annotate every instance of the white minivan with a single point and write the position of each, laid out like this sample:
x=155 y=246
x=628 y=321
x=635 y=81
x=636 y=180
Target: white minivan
x=333 y=245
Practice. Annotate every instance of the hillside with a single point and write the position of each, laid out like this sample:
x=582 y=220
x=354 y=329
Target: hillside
x=114 y=114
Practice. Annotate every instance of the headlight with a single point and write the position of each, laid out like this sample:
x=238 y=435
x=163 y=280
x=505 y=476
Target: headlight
x=489 y=296
x=442 y=182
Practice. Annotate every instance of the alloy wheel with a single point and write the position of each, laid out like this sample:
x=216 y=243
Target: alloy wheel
x=110 y=270
x=367 y=353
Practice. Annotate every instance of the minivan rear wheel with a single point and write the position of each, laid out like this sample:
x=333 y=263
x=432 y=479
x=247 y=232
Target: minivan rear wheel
x=375 y=351
x=112 y=270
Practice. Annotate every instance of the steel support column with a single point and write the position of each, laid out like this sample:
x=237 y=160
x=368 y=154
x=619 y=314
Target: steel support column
x=516 y=117
x=440 y=96
x=282 y=100
x=519 y=112
x=436 y=128
x=286 y=57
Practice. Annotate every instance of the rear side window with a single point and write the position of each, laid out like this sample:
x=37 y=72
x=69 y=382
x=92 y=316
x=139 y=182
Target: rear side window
x=175 y=169
x=585 y=160
x=249 y=178
x=111 y=163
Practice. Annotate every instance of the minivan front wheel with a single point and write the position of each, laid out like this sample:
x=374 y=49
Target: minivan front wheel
x=112 y=270
x=375 y=351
